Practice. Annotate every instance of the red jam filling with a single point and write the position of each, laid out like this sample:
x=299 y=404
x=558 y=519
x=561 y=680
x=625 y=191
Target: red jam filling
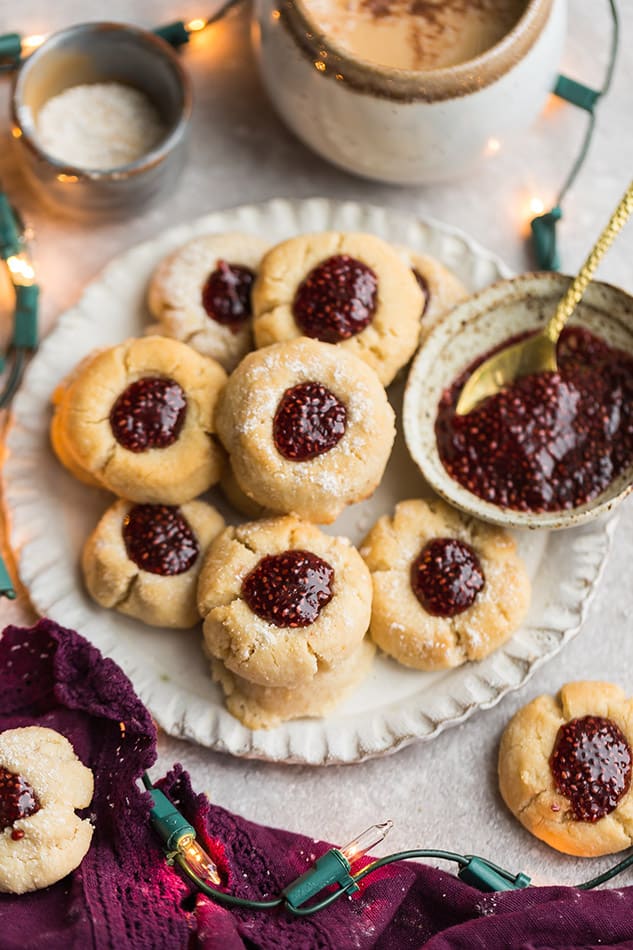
x=226 y=295
x=17 y=800
x=149 y=414
x=424 y=287
x=159 y=539
x=336 y=300
x=550 y=441
x=289 y=589
x=446 y=577
x=309 y=421
x=591 y=765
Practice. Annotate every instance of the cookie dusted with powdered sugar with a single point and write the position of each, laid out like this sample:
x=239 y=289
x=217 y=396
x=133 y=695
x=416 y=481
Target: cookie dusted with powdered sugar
x=201 y=294
x=137 y=419
x=348 y=289
x=42 y=782
x=441 y=289
x=447 y=588
x=282 y=601
x=308 y=428
x=144 y=560
x=565 y=768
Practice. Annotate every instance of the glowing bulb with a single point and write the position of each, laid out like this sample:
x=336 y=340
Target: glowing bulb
x=537 y=206
x=194 y=26
x=22 y=271
x=366 y=841
x=492 y=146
x=198 y=861
x=30 y=43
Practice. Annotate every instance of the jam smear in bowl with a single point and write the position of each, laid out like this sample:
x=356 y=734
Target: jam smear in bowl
x=550 y=450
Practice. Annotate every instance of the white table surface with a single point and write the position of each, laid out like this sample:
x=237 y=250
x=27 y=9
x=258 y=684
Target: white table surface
x=444 y=793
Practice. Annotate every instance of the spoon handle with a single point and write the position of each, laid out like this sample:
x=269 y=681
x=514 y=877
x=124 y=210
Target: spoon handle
x=577 y=288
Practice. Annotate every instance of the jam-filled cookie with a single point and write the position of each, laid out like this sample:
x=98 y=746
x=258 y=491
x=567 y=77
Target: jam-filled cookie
x=201 y=294
x=308 y=428
x=144 y=560
x=565 y=768
x=42 y=782
x=281 y=600
x=137 y=419
x=348 y=289
x=264 y=707
x=441 y=289
x=447 y=589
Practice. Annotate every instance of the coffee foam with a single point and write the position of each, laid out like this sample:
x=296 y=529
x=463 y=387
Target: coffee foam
x=415 y=34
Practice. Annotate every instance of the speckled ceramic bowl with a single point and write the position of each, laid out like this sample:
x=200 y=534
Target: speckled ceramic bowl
x=476 y=326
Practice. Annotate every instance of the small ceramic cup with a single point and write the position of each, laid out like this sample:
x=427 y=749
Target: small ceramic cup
x=401 y=125
x=102 y=52
x=477 y=326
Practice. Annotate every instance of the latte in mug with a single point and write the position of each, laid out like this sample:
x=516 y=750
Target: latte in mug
x=415 y=34
x=408 y=91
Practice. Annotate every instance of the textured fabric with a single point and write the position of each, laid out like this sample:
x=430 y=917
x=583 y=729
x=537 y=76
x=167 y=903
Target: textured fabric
x=124 y=896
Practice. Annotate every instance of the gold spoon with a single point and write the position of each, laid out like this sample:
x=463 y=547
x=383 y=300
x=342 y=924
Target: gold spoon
x=537 y=354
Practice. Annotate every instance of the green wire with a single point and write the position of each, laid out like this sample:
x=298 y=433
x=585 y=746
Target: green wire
x=220 y=896
x=584 y=149
x=607 y=875
x=15 y=377
x=370 y=868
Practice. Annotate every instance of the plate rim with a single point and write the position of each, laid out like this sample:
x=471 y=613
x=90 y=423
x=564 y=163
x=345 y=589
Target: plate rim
x=184 y=231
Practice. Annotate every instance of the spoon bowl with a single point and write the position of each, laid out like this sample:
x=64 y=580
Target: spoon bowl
x=478 y=325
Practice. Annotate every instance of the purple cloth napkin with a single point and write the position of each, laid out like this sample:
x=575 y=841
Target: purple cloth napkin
x=124 y=895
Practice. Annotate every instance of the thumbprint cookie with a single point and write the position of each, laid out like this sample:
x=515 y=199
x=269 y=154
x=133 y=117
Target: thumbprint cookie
x=137 y=419
x=565 y=768
x=447 y=588
x=441 y=289
x=281 y=600
x=308 y=428
x=42 y=782
x=144 y=560
x=348 y=289
x=201 y=294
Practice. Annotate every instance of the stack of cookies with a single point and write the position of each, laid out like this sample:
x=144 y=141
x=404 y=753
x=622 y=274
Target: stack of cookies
x=286 y=609
x=299 y=430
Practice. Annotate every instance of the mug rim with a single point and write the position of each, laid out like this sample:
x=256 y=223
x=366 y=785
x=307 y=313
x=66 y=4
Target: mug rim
x=430 y=85
x=27 y=133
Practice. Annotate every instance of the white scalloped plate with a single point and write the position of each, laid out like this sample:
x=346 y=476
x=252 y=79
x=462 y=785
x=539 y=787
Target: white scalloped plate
x=51 y=515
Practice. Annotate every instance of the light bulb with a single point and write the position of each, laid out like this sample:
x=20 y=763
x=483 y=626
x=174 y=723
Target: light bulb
x=537 y=206
x=194 y=26
x=198 y=861
x=21 y=268
x=30 y=43
x=366 y=841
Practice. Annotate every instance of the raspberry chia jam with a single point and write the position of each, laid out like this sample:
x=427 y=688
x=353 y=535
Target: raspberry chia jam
x=551 y=441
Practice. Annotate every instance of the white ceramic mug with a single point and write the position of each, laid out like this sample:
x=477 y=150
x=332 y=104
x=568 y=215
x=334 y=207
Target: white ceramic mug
x=399 y=125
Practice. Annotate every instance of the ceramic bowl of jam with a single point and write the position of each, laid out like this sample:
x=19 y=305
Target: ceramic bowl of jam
x=551 y=451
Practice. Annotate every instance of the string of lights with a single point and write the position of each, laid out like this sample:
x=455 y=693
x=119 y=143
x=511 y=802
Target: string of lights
x=335 y=868
x=14 y=47
x=543 y=226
